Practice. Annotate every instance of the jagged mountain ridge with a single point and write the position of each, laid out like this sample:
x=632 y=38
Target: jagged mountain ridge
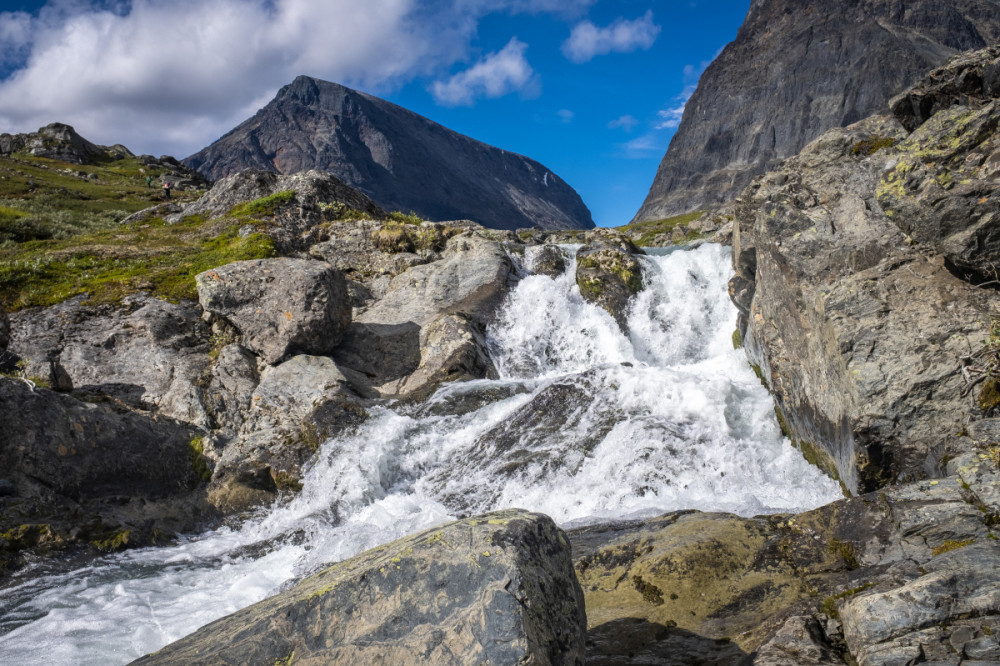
x=795 y=70
x=400 y=159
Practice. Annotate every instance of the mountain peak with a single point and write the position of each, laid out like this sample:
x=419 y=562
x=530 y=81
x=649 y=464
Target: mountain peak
x=400 y=159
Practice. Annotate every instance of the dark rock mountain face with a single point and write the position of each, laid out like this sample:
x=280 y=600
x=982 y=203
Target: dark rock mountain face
x=796 y=69
x=400 y=159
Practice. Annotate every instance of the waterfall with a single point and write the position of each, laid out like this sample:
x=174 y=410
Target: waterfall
x=585 y=424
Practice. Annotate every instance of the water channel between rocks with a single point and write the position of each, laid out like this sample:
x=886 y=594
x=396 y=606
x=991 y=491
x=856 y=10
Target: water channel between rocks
x=585 y=424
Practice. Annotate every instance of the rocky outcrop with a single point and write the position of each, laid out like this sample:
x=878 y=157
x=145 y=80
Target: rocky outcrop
x=857 y=263
x=401 y=160
x=428 y=328
x=495 y=589
x=294 y=408
x=90 y=473
x=279 y=306
x=609 y=275
x=883 y=578
x=60 y=142
x=147 y=353
x=4 y=330
x=795 y=70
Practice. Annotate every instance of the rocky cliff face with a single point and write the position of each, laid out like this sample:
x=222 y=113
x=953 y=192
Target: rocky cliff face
x=866 y=273
x=795 y=70
x=400 y=159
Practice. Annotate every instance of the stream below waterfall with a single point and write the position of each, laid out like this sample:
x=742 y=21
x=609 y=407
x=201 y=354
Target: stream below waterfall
x=584 y=424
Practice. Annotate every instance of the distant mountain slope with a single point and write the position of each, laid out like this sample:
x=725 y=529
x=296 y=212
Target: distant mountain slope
x=796 y=69
x=398 y=158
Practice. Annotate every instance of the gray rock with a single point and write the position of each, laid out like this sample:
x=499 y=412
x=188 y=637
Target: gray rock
x=4 y=330
x=801 y=642
x=547 y=260
x=957 y=584
x=401 y=160
x=496 y=589
x=146 y=352
x=59 y=142
x=296 y=406
x=79 y=473
x=428 y=327
x=233 y=379
x=279 y=306
x=795 y=71
x=609 y=275
x=858 y=332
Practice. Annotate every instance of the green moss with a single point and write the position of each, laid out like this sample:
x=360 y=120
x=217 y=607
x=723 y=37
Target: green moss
x=651 y=593
x=115 y=542
x=989 y=394
x=196 y=452
x=949 y=546
x=782 y=423
x=610 y=262
x=338 y=211
x=393 y=239
x=287 y=661
x=738 y=341
x=285 y=481
x=265 y=206
x=651 y=229
x=847 y=551
x=872 y=145
x=153 y=257
x=405 y=218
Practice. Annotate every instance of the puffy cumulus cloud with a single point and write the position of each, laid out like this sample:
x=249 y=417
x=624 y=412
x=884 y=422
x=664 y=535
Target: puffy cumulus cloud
x=496 y=75
x=626 y=122
x=587 y=40
x=173 y=75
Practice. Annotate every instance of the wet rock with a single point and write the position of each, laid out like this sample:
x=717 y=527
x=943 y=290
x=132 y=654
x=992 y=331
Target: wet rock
x=495 y=589
x=145 y=352
x=548 y=260
x=429 y=326
x=279 y=306
x=233 y=378
x=609 y=275
x=296 y=406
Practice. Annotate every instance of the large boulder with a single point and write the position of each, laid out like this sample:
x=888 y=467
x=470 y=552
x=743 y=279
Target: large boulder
x=856 y=276
x=429 y=327
x=908 y=567
x=494 y=589
x=609 y=275
x=145 y=352
x=296 y=407
x=4 y=330
x=279 y=306
x=84 y=473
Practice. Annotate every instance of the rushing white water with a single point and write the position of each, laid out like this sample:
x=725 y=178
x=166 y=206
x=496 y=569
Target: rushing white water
x=585 y=424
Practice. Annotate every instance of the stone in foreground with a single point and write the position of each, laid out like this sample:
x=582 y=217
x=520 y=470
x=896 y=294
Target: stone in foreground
x=495 y=589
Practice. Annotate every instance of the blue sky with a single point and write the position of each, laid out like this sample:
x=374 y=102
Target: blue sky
x=593 y=89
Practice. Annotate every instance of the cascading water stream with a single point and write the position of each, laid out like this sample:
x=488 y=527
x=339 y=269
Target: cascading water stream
x=584 y=424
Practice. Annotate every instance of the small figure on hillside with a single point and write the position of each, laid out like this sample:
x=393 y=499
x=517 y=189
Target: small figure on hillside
x=149 y=181
x=166 y=189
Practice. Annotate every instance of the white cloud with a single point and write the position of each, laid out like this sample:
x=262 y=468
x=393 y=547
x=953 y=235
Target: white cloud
x=173 y=75
x=671 y=118
x=565 y=115
x=626 y=122
x=587 y=40
x=496 y=75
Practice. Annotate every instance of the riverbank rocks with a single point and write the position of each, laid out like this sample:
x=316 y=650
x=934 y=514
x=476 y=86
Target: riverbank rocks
x=494 y=589
x=91 y=473
x=428 y=328
x=874 y=578
x=609 y=275
x=279 y=306
x=857 y=270
x=145 y=352
x=296 y=407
